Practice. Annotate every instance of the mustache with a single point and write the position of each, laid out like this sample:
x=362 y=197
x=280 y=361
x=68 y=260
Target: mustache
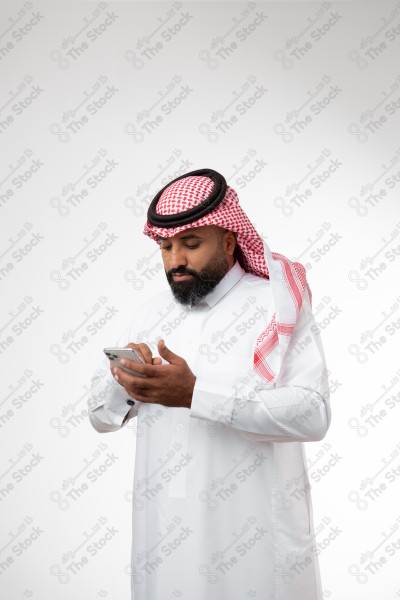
x=183 y=271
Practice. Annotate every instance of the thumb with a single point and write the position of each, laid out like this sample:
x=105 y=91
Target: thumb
x=166 y=353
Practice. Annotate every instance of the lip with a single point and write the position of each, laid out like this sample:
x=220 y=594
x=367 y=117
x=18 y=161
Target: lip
x=181 y=277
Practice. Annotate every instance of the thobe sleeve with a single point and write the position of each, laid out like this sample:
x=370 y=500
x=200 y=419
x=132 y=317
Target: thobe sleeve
x=107 y=401
x=297 y=408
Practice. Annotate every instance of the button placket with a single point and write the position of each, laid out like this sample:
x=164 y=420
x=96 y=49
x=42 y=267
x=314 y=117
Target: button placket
x=190 y=330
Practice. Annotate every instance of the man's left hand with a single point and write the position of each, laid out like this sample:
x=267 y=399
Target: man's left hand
x=170 y=385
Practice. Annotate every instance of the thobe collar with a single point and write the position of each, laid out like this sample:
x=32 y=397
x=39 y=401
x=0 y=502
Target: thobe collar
x=233 y=276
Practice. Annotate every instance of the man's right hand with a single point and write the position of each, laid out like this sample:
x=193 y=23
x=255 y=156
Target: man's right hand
x=145 y=352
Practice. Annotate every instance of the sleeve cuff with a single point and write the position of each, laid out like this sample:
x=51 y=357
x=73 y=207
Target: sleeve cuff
x=213 y=401
x=108 y=404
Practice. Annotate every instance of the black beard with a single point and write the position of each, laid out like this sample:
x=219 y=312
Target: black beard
x=189 y=293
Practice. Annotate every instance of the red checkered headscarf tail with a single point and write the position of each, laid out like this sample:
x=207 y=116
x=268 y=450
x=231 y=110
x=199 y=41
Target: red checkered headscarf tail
x=288 y=279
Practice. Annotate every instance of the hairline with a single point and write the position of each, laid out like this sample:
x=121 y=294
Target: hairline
x=220 y=231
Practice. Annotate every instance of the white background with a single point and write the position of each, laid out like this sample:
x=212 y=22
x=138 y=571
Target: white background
x=101 y=104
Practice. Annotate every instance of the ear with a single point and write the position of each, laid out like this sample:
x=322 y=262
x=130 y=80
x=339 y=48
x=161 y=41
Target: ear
x=230 y=242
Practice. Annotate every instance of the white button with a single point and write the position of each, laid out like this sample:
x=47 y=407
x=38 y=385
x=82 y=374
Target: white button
x=179 y=427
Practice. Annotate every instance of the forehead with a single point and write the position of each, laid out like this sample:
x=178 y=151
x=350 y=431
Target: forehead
x=198 y=232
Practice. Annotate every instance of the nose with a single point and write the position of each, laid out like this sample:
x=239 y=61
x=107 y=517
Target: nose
x=177 y=257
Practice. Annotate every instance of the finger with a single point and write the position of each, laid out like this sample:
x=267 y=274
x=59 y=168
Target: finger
x=143 y=384
x=167 y=354
x=132 y=365
x=129 y=382
x=142 y=397
x=144 y=350
x=157 y=361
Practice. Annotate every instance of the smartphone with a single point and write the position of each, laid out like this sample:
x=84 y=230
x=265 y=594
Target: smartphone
x=115 y=354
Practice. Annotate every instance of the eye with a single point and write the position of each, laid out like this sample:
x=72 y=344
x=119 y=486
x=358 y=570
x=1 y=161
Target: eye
x=192 y=247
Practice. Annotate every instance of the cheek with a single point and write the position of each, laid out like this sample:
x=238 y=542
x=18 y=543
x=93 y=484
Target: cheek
x=198 y=259
x=165 y=261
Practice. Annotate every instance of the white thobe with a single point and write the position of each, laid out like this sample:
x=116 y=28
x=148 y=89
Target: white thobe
x=221 y=498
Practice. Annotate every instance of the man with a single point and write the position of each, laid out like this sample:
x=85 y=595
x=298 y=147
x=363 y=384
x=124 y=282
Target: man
x=221 y=504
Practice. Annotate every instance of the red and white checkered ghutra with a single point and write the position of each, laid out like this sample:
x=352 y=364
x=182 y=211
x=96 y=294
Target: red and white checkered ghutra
x=288 y=279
